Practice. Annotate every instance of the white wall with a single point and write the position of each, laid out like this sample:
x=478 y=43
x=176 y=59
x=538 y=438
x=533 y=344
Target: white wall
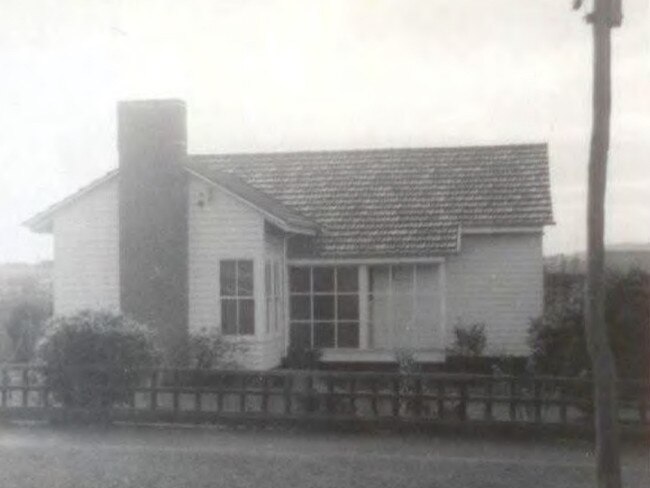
x=272 y=353
x=86 y=252
x=496 y=280
x=226 y=228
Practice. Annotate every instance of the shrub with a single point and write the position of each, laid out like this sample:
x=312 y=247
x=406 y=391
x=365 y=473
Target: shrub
x=92 y=359
x=469 y=341
x=406 y=362
x=302 y=358
x=208 y=349
x=24 y=326
x=558 y=340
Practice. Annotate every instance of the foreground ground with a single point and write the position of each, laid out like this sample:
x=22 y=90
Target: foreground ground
x=176 y=457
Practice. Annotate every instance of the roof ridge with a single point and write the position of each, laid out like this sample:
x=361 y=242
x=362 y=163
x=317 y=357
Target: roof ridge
x=391 y=149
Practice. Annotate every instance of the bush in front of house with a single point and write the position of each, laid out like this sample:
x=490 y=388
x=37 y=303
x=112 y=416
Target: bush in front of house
x=24 y=325
x=92 y=359
x=558 y=337
x=302 y=358
x=209 y=350
x=469 y=341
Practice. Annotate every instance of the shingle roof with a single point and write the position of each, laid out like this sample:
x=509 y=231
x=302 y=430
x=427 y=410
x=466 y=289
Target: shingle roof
x=398 y=202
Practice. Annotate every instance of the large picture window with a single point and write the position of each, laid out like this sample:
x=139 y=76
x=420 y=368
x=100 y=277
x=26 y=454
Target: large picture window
x=237 y=297
x=324 y=306
x=404 y=305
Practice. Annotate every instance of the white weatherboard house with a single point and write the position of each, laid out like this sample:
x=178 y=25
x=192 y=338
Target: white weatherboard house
x=359 y=253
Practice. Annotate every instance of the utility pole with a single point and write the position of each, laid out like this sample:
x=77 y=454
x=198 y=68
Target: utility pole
x=606 y=15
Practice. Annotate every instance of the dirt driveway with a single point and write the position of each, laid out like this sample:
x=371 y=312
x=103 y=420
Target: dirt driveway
x=211 y=457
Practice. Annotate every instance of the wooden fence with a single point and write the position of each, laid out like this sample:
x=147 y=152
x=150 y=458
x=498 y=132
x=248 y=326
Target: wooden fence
x=181 y=395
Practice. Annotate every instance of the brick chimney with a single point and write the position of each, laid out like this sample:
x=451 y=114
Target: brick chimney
x=153 y=209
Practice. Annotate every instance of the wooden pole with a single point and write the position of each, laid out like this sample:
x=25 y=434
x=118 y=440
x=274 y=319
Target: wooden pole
x=606 y=15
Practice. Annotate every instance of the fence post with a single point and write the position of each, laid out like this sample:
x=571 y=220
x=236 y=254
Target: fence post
x=154 y=390
x=220 y=393
x=462 y=406
x=375 y=410
x=441 y=400
x=417 y=404
x=265 y=395
x=563 y=402
x=45 y=392
x=537 y=392
x=25 y=377
x=353 y=403
x=197 y=399
x=644 y=393
x=331 y=402
x=488 y=401
x=176 y=394
x=5 y=383
x=513 y=399
x=242 y=395
x=287 y=394
x=396 y=396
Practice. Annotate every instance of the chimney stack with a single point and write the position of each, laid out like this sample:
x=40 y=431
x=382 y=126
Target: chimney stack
x=153 y=210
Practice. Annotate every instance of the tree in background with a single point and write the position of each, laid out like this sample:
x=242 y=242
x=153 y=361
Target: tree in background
x=558 y=337
x=24 y=326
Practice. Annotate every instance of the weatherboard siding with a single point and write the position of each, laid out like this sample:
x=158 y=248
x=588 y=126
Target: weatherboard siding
x=274 y=342
x=223 y=227
x=496 y=280
x=86 y=252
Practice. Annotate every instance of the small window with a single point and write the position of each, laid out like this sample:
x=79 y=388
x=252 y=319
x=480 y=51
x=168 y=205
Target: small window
x=237 y=297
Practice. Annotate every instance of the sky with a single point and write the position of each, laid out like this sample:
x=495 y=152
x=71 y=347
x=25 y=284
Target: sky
x=282 y=75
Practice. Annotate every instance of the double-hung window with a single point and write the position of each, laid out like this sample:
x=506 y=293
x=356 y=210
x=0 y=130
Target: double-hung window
x=237 y=297
x=274 y=290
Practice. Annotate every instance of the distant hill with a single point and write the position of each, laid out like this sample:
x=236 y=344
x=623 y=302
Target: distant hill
x=619 y=257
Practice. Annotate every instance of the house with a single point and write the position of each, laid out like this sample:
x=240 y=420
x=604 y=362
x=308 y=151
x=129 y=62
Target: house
x=359 y=253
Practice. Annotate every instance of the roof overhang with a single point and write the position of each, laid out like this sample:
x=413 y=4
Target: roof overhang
x=272 y=210
x=42 y=222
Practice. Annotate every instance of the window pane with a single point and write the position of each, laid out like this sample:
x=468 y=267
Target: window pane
x=299 y=280
x=323 y=307
x=245 y=278
x=300 y=336
x=227 y=278
x=402 y=306
x=324 y=335
x=427 y=279
x=246 y=316
x=278 y=313
x=277 y=274
x=347 y=279
x=268 y=278
x=378 y=279
x=269 y=313
x=300 y=307
x=348 y=334
x=323 y=279
x=402 y=279
x=228 y=316
x=348 y=307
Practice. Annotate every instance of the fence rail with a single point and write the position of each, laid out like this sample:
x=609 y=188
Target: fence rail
x=185 y=395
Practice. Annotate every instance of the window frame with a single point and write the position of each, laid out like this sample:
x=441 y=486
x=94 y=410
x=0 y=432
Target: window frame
x=392 y=294
x=274 y=294
x=312 y=322
x=237 y=297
